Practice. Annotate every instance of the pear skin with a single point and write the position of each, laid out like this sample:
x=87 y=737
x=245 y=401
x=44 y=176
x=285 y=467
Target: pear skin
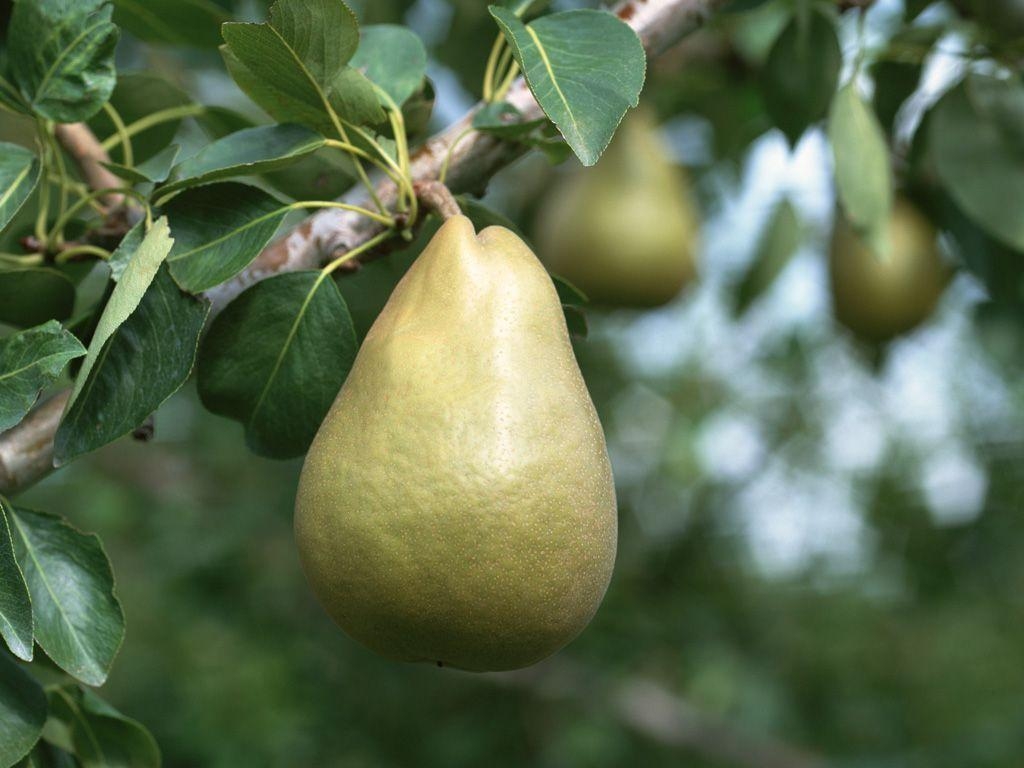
x=625 y=231
x=879 y=296
x=457 y=505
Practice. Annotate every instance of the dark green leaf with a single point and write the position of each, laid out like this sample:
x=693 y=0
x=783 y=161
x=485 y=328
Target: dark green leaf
x=502 y=119
x=483 y=217
x=138 y=95
x=218 y=122
x=802 y=72
x=132 y=286
x=275 y=359
x=33 y=295
x=246 y=153
x=218 y=231
x=45 y=755
x=568 y=293
x=575 y=321
x=78 y=620
x=978 y=154
x=22 y=711
x=29 y=361
x=102 y=737
x=585 y=68
x=61 y=56
x=15 y=603
x=862 y=168
x=19 y=174
x=172 y=22
x=296 y=65
x=154 y=170
x=394 y=58
x=775 y=249
x=895 y=81
x=324 y=34
x=145 y=361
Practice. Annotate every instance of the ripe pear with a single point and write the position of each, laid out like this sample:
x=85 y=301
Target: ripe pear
x=625 y=231
x=457 y=505
x=879 y=296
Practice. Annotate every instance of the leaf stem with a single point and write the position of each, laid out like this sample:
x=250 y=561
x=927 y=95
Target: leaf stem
x=149 y=121
x=125 y=140
x=83 y=250
x=510 y=77
x=492 y=65
x=83 y=201
x=384 y=219
x=26 y=260
x=354 y=253
x=353 y=149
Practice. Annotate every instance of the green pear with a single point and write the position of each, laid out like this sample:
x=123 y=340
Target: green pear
x=625 y=231
x=457 y=505
x=879 y=296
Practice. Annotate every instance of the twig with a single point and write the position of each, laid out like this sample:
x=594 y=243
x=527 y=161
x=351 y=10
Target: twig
x=658 y=714
x=472 y=157
x=26 y=451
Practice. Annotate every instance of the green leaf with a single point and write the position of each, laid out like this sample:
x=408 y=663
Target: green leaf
x=78 y=620
x=19 y=173
x=194 y=23
x=394 y=58
x=29 y=361
x=22 y=711
x=275 y=359
x=895 y=81
x=862 y=168
x=775 y=249
x=975 y=143
x=126 y=249
x=296 y=65
x=61 y=56
x=218 y=231
x=584 y=67
x=45 y=755
x=324 y=34
x=102 y=736
x=138 y=95
x=15 y=603
x=502 y=119
x=246 y=153
x=144 y=362
x=31 y=296
x=802 y=72
x=573 y=300
x=152 y=171
x=134 y=282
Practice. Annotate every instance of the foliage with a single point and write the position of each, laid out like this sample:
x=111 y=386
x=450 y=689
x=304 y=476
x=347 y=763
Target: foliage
x=103 y=289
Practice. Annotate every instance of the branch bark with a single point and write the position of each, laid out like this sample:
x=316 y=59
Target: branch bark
x=83 y=146
x=656 y=713
x=472 y=157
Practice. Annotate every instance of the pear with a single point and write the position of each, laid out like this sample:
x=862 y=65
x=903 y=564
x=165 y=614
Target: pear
x=879 y=296
x=625 y=231
x=457 y=505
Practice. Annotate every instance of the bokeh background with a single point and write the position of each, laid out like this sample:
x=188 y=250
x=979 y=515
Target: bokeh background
x=820 y=550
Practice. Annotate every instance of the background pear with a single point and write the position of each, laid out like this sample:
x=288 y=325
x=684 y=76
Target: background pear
x=625 y=231
x=880 y=296
x=457 y=504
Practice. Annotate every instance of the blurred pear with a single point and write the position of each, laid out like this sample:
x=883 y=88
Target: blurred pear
x=625 y=231
x=879 y=296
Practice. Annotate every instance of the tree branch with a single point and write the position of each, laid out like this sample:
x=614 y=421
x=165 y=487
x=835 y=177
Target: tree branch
x=472 y=159
x=87 y=152
x=658 y=714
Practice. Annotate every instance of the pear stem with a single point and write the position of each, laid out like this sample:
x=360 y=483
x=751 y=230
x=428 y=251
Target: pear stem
x=436 y=197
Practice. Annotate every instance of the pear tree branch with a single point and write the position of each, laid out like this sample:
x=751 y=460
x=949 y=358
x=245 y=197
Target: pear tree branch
x=472 y=159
